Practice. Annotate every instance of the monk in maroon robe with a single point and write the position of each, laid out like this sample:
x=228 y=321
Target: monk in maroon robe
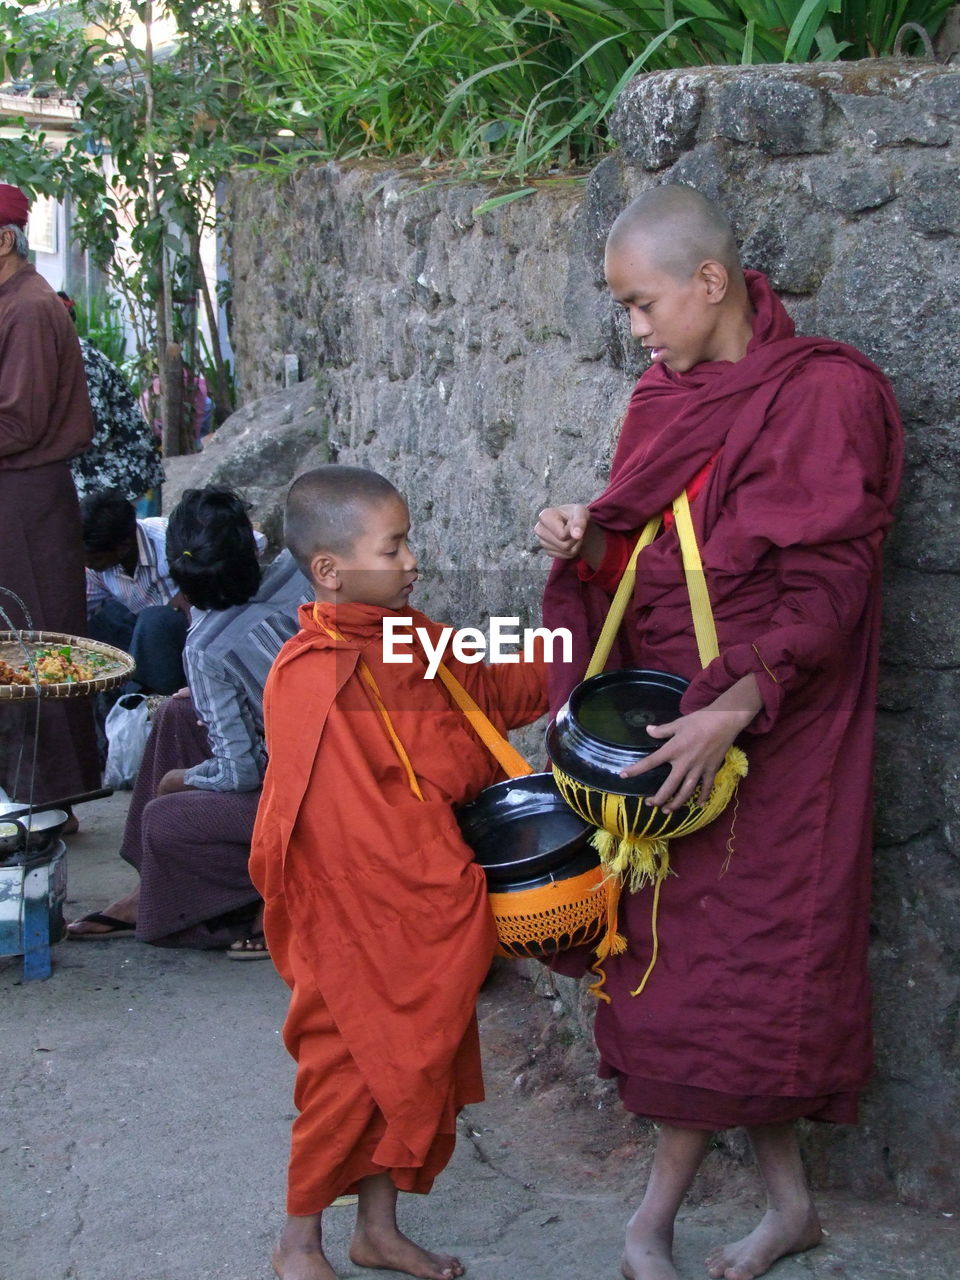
x=757 y=1011
x=45 y=420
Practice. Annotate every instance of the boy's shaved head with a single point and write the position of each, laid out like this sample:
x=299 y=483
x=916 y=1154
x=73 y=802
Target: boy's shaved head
x=678 y=228
x=325 y=509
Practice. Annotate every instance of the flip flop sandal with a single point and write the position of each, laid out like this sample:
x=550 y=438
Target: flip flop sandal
x=112 y=929
x=252 y=947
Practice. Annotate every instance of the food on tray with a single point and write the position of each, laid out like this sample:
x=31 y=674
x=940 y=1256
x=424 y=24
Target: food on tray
x=13 y=675
x=55 y=665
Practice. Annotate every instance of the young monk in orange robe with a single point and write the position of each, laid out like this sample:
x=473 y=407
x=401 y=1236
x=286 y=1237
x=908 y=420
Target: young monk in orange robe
x=375 y=913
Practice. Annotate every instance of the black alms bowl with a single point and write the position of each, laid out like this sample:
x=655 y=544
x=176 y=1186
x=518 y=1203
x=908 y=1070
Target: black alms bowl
x=602 y=728
x=523 y=831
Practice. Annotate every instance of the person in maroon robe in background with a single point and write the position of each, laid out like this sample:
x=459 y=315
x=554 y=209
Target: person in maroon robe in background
x=757 y=1010
x=45 y=420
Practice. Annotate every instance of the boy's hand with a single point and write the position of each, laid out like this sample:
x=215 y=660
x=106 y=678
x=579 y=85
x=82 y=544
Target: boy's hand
x=697 y=744
x=561 y=530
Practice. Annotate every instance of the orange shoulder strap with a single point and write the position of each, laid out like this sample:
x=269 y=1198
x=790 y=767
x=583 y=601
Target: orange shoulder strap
x=509 y=759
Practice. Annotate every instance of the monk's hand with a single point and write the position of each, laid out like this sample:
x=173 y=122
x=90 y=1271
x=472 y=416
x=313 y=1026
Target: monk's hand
x=696 y=744
x=560 y=530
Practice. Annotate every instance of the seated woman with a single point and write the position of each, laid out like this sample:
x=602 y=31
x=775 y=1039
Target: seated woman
x=194 y=803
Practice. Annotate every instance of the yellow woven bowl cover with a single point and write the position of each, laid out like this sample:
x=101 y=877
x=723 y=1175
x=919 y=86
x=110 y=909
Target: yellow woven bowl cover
x=632 y=835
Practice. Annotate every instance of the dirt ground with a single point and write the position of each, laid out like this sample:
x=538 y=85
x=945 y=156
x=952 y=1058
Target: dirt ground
x=146 y=1110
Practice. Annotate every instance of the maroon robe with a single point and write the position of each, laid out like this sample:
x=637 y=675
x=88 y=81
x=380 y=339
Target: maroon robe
x=757 y=1010
x=45 y=421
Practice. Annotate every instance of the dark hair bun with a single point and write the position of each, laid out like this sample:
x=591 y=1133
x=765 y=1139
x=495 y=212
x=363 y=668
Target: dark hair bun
x=211 y=549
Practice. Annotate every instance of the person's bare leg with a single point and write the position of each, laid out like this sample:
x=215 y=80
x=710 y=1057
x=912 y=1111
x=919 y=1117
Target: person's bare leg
x=648 y=1253
x=790 y=1224
x=124 y=908
x=299 y=1252
x=378 y=1242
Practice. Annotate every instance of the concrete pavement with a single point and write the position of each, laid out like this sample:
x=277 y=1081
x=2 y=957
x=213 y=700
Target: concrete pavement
x=146 y=1111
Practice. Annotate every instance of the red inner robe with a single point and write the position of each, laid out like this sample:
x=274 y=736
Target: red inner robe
x=758 y=1008
x=376 y=914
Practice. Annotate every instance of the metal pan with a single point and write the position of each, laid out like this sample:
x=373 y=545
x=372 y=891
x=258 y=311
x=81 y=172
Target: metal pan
x=26 y=830
x=15 y=809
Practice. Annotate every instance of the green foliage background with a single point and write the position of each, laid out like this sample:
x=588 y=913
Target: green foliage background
x=515 y=88
x=506 y=89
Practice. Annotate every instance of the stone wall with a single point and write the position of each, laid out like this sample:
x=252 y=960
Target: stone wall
x=478 y=361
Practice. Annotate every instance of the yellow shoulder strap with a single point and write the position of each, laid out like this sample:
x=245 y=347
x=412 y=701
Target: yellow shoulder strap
x=618 y=605
x=703 y=624
x=509 y=759
x=367 y=676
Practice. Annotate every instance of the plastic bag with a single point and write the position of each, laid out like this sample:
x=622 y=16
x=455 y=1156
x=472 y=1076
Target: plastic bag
x=127 y=729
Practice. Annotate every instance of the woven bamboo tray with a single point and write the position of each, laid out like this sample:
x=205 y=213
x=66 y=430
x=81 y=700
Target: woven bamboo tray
x=113 y=665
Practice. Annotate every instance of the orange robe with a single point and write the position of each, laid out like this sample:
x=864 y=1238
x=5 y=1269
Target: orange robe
x=375 y=913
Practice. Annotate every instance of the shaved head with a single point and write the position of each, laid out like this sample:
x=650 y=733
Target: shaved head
x=326 y=509
x=678 y=229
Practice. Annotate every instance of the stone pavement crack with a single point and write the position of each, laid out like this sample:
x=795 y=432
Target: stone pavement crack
x=469 y=1131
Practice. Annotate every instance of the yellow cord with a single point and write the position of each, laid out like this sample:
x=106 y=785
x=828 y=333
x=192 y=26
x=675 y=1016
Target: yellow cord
x=367 y=677
x=656 y=938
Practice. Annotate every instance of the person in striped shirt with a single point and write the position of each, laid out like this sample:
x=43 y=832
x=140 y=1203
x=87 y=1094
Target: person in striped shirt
x=192 y=811
x=132 y=602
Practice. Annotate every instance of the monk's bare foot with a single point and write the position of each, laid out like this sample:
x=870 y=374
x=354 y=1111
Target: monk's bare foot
x=390 y=1250
x=779 y=1233
x=301 y=1264
x=648 y=1252
x=298 y=1255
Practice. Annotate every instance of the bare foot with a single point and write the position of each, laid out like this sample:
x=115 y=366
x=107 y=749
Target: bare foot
x=299 y=1252
x=648 y=1252
x=301 y=1263
x=390 y=1250
x=776 y=1235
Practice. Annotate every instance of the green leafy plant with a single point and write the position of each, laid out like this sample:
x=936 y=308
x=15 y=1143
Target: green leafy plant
x=508 y=87
x=99 y=319
x=502 y=88
x=167 y=123
x=208 y=366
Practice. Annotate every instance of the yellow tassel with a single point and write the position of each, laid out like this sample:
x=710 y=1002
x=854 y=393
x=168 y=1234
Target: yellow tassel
x=634 y=856
x=636 y=863
x=613 y=943
x=605 y=844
